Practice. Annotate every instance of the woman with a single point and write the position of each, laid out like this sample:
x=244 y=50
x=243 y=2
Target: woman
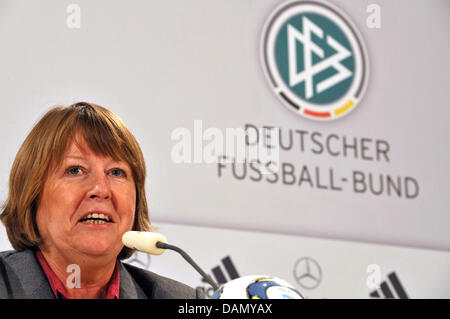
x=76 y=186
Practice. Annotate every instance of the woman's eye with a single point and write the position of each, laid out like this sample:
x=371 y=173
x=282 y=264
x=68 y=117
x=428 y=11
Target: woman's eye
x=118 y=172
x=75 y=170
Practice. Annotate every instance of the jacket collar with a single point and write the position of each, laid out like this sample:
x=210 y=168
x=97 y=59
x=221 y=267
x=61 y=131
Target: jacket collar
x=34 y=284
x=29 y=280
x=129 y=288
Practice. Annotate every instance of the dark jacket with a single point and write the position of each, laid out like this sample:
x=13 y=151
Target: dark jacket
x=21 y=276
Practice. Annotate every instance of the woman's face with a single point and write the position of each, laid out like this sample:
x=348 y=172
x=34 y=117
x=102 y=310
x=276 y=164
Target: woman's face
x=87 y=203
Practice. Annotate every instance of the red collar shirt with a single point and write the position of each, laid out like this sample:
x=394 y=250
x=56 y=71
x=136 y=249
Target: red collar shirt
x=59 y=290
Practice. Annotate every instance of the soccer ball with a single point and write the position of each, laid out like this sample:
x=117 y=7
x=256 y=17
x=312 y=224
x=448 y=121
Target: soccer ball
x=257 y=287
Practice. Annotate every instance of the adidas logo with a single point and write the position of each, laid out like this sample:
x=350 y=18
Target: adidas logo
x=219 y=275
x=229 y=268
x=386 y=291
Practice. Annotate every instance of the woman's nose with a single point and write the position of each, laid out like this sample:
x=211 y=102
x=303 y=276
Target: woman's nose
x=100 y=187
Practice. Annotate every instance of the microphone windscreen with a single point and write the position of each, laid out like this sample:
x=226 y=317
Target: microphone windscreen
x=144 y=241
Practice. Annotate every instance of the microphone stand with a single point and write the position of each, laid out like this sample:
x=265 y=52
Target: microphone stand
x=205 y=276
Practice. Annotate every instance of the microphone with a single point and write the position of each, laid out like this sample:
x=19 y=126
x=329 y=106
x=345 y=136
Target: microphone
x=155 y=244
x=144 y=241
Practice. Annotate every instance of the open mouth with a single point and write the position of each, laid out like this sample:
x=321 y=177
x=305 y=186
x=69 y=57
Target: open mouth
x=96 y=218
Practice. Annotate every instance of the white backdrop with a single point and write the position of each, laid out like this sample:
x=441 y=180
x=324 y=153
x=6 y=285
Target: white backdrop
x=161 y=65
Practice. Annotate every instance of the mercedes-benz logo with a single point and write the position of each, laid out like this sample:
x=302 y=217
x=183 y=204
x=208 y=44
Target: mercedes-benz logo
x=307 y=273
